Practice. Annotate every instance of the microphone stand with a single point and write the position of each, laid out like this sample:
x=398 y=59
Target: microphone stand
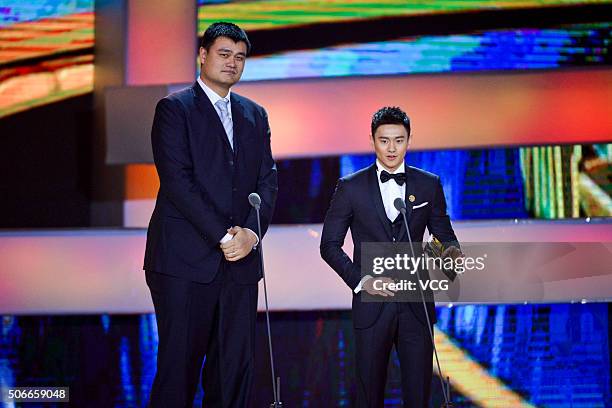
x=276 y=390
x=445 y=387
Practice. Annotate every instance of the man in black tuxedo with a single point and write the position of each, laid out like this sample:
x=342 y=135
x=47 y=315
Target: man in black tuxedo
x=363 y=202
x=211 y=149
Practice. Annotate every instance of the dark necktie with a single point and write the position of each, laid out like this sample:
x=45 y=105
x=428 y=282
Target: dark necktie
x=400 y=178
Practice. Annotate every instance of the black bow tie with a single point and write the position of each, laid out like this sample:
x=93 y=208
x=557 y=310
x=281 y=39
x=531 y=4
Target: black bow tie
x=400 y=178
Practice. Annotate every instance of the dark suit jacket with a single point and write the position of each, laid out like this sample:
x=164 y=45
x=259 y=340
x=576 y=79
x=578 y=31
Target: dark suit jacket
x=204 y=185
x=357 y=204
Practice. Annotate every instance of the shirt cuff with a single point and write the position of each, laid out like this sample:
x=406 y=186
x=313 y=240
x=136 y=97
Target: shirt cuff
x=361 y=282
x=226 y=237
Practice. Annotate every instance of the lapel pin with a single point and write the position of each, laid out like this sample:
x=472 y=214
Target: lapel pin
x=411 y=198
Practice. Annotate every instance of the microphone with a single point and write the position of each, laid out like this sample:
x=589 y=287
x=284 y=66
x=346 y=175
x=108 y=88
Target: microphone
x=255 y=200
x=400 y=206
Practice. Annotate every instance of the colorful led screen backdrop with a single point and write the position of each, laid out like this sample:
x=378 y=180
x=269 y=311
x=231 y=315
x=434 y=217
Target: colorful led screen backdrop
x=272 y=14
x=585 y=45
x=549 y=355
x=46 y=52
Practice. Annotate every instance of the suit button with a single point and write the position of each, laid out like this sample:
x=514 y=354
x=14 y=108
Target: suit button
x=231 y=218
x=234 y=189
x=231 y=162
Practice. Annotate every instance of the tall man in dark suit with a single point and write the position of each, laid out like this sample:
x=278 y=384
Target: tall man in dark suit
x=363 y=202
x=211 y=149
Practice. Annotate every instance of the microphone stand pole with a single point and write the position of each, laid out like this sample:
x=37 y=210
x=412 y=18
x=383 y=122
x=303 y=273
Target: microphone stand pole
x=276 y=403
x=445 y=391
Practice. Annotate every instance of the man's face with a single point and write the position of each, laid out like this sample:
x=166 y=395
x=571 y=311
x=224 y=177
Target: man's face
x=223 y=63
x=390 y=145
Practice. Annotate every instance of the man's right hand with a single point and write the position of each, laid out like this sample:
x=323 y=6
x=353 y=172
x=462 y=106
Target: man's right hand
x=240 y=245
x=368 y=286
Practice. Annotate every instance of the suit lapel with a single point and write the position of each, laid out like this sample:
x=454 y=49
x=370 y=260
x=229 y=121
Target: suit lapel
x=376 y=197
x=238 y=118
x=410 y=191
x=206 y=108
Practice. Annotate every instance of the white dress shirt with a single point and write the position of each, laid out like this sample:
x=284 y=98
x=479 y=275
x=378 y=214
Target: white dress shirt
x=214 y=98
x=389 y=191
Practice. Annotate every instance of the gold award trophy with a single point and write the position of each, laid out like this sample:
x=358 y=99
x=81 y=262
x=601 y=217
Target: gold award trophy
x=434 y=249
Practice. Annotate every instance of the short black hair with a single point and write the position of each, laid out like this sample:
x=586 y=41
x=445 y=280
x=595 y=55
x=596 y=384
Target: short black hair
x=224 y=29
x=390 y=115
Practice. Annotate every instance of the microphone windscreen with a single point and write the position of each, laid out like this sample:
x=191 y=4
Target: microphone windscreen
x=399 y=204
x=254 y=200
